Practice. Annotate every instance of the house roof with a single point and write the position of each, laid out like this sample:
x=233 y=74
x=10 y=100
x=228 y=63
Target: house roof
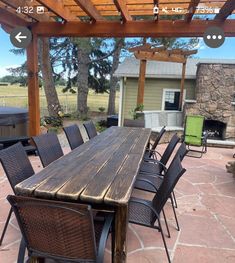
x=157 y=69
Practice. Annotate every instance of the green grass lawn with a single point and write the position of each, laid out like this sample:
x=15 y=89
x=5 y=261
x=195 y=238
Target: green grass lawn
x=14 y=95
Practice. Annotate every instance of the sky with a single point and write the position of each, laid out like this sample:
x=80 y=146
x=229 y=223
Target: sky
x=9 y=60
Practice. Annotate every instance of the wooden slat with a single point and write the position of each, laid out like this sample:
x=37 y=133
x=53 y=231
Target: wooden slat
x=33 y=88
x=21 y=3
x=88 y=7
x=192 y=9
x=143 y=55
x=162 y=28
x=28 y=186
x=122 y=7
x=11 y=20
x=59 y=9
x=122 y=186
x=95 y=192
x=226 y=10
x=182 y=86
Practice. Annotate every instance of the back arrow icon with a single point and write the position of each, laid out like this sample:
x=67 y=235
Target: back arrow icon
x=18 y=37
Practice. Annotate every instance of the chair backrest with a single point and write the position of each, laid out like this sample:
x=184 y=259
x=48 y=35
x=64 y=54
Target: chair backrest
x=182 y=151
x=169 y=149
x=48 y=147
x=90 y=129
x=193 y=129
x=74 y=136
x=174 y=172
x=162 y=131
x=16 y=164
x=56 y=229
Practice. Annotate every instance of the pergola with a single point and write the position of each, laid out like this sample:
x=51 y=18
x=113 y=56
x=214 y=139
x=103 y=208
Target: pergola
x=146 y=52
x=109 y=18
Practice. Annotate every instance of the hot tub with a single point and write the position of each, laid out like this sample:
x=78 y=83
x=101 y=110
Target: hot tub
x=13 y=122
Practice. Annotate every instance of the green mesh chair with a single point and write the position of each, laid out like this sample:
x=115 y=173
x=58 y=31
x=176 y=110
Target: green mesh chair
x=194 y=135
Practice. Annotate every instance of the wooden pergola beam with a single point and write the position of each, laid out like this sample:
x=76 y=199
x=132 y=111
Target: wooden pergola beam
x=122 y=7
x=182 y=86
x=144 y=55
x=88 y=7
x=58 y=8
x=226 y=10
x=11 y=20
x=192 y=9
x=33 y=88
x=162 y=28
x=17 y=3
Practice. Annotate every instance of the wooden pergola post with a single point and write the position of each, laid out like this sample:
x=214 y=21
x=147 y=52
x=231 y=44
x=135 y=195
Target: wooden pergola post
x=140 y=96
x=182 y=86
x=33 y=88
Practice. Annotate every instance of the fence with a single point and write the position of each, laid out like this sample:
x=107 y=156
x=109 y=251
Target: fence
x=68 y=102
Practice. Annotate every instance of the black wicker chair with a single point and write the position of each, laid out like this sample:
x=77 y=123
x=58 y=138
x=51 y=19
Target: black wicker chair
x=151 y=183
x=151 y=150
x=48 y=148
x=153 y=166
x=74 y=136
x=17 y=167
x=90 y=129
x=66 y=232
x=147 y=213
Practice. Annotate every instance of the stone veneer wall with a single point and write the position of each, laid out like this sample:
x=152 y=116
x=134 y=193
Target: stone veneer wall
x=215 y=91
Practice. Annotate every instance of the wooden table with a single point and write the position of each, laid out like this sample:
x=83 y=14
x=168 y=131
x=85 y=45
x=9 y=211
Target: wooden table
x=100 y=172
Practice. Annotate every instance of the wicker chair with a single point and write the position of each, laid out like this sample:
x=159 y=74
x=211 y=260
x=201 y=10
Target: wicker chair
x=90 y=129
x=152 y=166
x=151 y=150
x=74 y=136
x=147 y=213
x=66 y=232
x=17 y=167
x=151 y=183
x=48 y=148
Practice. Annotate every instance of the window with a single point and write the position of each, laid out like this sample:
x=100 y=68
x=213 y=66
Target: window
x=171 y=99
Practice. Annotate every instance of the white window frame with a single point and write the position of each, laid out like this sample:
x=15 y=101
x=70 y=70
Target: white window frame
x=163 y=96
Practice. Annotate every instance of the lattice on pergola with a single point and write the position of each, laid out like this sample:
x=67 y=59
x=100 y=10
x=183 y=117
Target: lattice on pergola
x=110 y=18
x=147 y=52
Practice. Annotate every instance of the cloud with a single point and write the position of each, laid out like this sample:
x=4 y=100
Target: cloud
x=4 y=71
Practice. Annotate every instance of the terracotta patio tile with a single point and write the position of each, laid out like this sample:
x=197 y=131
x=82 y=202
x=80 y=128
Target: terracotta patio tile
x=204 y=231
x=188 y=254
x=227 y=189
x=147 y=256
x=9 y=254
x=208 y=189
x=5 y=189
x=200 y=175
x=229 y=224
x=220 y=205
x=185 y=187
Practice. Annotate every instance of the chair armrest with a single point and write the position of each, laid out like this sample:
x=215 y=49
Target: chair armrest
x=156 y=162
x=103 y=238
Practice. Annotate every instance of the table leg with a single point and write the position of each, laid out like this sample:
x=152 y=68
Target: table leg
x=121 y=224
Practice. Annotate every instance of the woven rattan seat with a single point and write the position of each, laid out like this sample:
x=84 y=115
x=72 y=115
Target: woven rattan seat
x=74 y=136
x=65 y=232
x=17 y=167
x=138 y=213
x=90 y=129
x=48 y=148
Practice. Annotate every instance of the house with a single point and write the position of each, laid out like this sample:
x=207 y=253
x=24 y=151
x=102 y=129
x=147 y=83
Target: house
x=162 y=89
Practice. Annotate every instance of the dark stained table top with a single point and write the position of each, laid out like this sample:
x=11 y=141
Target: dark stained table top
x=102 y=170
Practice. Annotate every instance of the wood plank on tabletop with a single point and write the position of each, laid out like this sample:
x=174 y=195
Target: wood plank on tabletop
x=73 y=188
x=121 y=188
x=28 y=186
x=96 y=189
x=75 y=168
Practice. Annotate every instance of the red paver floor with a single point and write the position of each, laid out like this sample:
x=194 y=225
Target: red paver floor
x=206 y=212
